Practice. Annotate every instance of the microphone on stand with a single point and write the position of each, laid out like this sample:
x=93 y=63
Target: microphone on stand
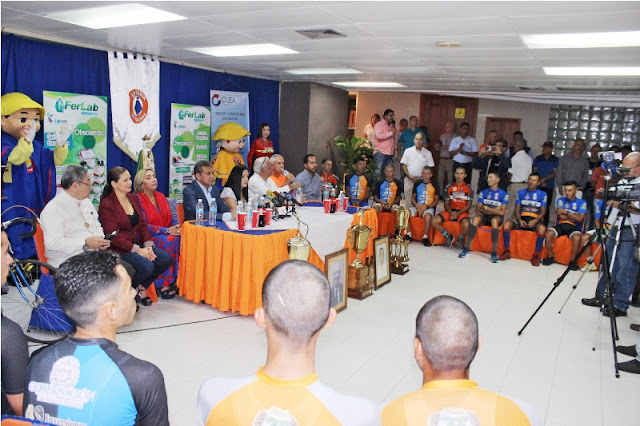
x=275 y=198
x=287 y=196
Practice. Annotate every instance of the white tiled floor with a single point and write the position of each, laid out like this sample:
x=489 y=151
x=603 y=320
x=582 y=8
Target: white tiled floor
x=368 y=351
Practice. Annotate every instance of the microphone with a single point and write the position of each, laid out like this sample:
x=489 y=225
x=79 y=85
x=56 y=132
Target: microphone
x=287 y=196
x=275 y=198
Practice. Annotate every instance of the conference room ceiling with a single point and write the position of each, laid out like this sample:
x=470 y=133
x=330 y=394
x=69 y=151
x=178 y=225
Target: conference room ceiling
x=386 y=41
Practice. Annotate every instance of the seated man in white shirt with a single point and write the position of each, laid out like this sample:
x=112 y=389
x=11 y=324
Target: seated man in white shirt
x=259 y=182
x=70 y=221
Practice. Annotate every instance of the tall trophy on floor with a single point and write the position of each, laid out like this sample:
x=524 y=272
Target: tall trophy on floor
x=359 y=285
x=399 y=245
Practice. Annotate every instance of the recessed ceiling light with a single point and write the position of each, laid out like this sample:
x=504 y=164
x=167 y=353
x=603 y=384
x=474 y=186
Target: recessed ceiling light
x=368 y=84
x=448 y=44
x=244 y=50
x=120 y=15
x=322 y=71
x=582 y=40
x=593 y=71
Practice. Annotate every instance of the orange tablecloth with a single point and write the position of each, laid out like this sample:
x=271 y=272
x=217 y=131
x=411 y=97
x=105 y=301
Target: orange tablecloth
x=226 y=269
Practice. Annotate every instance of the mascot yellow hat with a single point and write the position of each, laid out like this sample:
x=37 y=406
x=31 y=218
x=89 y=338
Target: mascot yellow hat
x=12 y=102
x=229 y=131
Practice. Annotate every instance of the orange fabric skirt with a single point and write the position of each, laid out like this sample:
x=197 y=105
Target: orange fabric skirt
x=226 y=269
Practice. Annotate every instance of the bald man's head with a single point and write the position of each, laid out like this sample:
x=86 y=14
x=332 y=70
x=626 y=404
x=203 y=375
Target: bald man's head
x=448 y=332
x=296 y=300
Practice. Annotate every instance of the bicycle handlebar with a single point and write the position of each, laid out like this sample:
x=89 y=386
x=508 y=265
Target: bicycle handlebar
x=31 y=222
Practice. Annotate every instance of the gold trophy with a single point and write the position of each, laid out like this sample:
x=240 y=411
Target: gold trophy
x=359 y=287
x=299 y=247
x=400 y=246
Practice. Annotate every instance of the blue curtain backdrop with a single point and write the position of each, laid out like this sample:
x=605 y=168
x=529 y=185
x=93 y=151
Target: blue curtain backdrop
x=31 y=66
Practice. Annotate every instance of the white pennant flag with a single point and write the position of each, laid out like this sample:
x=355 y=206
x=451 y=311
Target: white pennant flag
x=135 y=101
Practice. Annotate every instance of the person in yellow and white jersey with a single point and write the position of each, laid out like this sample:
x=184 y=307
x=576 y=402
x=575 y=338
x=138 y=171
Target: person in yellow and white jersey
x=286 y=391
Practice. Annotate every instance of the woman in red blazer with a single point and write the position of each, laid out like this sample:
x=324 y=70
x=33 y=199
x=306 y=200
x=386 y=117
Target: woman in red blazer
x=120 y=210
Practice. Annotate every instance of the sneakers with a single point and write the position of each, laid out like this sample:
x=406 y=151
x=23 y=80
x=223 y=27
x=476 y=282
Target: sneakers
x=574 y=267
x=535 y=260
x=463 y=253
x=635 y=327
x=494 y=257
x=589 y=267
x=505 y=256
x=627 y=350
x=548 y=261
x=426 y=242
x=449 y=240
x=460 y=243
x=594 y=301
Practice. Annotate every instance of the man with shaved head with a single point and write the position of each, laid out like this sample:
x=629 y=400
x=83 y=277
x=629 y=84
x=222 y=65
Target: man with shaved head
x=445 y=344
x=296 y=306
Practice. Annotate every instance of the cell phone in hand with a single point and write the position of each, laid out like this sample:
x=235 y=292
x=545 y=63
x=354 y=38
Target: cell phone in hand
x=111 y=235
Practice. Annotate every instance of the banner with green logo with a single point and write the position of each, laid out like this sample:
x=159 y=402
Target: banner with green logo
x=190 y=141
x=81 y=121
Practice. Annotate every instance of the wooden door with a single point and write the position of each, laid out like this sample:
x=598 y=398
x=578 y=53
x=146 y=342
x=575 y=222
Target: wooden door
x=436 y=110
x=506 y=127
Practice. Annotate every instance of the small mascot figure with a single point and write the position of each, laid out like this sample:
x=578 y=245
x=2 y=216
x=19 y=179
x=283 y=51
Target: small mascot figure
x=232 y=135
x=29 y=175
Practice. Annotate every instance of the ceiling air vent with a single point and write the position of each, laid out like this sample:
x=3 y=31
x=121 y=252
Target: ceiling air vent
x=321 y=33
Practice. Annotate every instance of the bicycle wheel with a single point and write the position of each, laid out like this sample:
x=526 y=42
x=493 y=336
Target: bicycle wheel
x=33 y=305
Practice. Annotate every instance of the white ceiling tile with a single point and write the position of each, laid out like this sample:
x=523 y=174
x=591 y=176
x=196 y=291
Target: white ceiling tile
x=195 y=9
x=446 y=28
x=42 y=7
x=39 y=24
x=468 y=42
x=578 y=22
x=208 y=40
x=311 y=16
x=6 y=13
x=609 y=53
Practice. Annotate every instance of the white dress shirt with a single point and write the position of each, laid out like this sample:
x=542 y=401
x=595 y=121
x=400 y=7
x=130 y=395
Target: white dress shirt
x=258 y=186
x=416 y=160
x=66 y=223
x=470 y=145
x=521 y=165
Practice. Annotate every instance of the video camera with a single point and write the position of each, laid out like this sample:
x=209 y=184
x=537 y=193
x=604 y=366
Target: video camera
x=625 y=191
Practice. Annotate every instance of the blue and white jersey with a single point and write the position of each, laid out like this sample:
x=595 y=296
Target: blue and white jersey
x=492 y=198
x=531 y=202
x=574 y=206
x=89 y=382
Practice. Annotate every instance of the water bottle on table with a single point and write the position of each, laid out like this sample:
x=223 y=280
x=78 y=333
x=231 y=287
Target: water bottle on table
x=213 y=212
x=199 y=212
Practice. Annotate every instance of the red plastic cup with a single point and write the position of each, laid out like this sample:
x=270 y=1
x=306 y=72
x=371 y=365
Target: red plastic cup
x=242 y=218
x=327 y=205
x=345 y=202
x=254 y=219
x=267 y=219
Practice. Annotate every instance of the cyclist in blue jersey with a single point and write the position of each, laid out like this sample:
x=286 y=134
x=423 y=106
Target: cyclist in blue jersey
x=85 y=379
x=570 y=215
x=490 y=210
x=531 y=206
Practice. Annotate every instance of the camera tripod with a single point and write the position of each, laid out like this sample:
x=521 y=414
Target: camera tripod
x=606 y=267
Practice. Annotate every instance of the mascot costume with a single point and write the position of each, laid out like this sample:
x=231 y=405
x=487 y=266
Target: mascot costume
x=232 y=137
x=29 y=172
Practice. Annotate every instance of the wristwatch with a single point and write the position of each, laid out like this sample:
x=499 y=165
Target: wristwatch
x=85 y=247
x=168 y=232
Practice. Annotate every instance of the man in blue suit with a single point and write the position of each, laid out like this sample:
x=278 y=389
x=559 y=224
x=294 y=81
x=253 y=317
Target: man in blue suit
x=202 y=188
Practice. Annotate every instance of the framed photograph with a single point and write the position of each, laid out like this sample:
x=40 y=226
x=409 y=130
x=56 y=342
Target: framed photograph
x=335 y=267
x=383 y=269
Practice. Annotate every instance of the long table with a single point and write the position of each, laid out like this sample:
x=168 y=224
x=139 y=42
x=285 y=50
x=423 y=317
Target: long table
x=226 y=268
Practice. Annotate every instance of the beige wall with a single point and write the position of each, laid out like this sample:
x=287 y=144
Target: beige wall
x=367 y=103
x=534 y=119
